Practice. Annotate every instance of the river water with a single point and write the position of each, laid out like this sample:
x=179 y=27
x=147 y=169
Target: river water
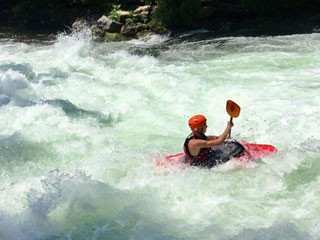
x=82 y=125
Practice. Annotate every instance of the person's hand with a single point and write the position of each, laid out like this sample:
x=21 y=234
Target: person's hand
x=230 y=124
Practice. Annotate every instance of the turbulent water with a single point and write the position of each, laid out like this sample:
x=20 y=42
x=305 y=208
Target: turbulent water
x=82 y=125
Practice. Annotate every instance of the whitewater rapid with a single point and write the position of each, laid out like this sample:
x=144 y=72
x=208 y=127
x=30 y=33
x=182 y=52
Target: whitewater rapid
x=83 y=123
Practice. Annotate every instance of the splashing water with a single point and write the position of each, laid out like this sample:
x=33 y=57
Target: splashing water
x=82 y=124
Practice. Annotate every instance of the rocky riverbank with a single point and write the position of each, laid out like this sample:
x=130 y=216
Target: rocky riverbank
x=133 y=18
x=122 y=25
x=106 y=29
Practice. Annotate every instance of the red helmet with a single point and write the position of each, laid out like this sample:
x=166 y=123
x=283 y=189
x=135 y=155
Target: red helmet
x=197 y=122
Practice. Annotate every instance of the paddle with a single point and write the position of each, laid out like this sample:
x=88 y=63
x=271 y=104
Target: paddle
x=233 y=110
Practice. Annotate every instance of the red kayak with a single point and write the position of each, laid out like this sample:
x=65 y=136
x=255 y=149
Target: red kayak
x=252 y=152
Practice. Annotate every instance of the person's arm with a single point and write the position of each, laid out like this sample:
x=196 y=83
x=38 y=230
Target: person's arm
x=196 y=144
x=212 y=137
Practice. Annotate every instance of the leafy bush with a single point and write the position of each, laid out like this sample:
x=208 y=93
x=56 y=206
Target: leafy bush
x=167 y=12
x=114 y=12
x=131 y=19
x=189 y=11
x=177 y=12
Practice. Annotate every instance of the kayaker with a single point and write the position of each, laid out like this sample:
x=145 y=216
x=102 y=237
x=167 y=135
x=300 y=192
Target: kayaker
x=198 y=147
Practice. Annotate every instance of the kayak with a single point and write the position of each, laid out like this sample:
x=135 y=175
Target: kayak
x=251 y=152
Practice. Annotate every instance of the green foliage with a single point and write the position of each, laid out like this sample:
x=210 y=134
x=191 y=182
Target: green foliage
x=189 y=10
x=177 y=12
x=114 y=12
x=145 y=19
x=131 y=19
x=167 y=12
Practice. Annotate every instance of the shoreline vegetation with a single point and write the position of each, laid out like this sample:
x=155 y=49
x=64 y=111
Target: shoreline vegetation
x=126 y=19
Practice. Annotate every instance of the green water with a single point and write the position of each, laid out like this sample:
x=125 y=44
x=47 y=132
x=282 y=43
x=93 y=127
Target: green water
x=82 y=125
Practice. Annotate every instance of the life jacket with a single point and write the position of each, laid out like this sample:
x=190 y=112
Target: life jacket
x=200 y=159
x=210 y=157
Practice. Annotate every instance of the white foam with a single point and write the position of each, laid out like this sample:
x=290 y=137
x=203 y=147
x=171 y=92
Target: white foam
x=122 y=108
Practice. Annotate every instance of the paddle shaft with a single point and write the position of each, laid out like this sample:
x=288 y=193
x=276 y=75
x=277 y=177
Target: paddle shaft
x=230 y=128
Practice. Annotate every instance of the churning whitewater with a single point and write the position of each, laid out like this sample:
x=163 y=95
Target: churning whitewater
x=82 y=125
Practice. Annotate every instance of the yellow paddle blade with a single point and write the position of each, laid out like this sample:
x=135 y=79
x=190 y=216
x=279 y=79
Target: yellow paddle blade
x=233 y=109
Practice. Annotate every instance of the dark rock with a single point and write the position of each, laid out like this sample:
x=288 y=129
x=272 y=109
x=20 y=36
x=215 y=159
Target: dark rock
x=142 y=27
x=108 y=25
x=142 y=13
x=132 y=30
x=142 y=10
x=97 y=32
x=129 y=30
x=78 y=25
x=123 y=16
x=115 y=37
